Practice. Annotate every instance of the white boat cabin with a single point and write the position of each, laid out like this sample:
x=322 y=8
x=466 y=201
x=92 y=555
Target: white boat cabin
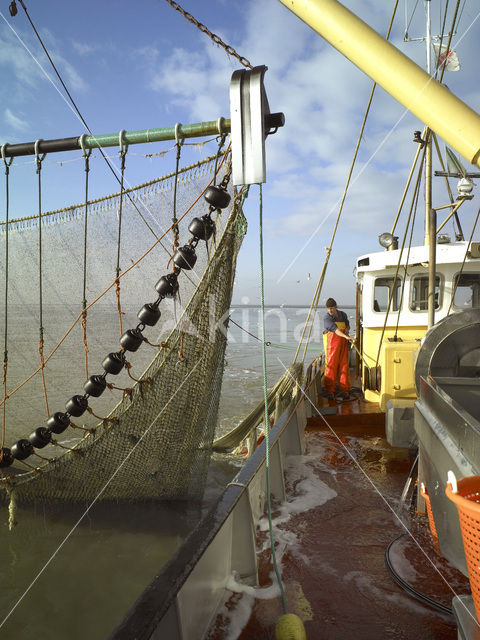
x=376 y=278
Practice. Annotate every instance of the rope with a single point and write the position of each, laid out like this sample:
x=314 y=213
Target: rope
x=447 y=184
x=178 y=145
x=38 y=161
x=268 y=343
x=86 y=155
x=266 y=420
x=407 y=186
x=392 y=291
x=404 y=281
x=123 y=153
x=450 y=36
x=5 y=348
x=316 y=296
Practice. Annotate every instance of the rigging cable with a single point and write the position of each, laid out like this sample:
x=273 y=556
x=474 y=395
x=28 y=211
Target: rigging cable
x=405 y=273
x=457 y=280
x=450 y=195
x=395 y=278
x=266 y=420
x=5 y=350
x=316 y=296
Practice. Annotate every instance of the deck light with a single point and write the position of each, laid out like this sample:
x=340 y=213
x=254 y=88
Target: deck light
x=388 y=241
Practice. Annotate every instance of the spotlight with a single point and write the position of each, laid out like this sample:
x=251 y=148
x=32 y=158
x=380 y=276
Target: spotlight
x=388 y=241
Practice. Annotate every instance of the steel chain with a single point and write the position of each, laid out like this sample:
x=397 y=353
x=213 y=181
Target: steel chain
x=213 y=36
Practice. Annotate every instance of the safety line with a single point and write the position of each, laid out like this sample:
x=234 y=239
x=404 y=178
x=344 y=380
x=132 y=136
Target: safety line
x=266 y=420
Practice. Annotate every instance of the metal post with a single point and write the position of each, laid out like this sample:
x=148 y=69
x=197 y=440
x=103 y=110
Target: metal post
x=432 y=238
x=428 y=184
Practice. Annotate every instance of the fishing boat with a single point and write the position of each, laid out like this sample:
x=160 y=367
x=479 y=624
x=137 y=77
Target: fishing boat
x=418 y=366
x=299 y=537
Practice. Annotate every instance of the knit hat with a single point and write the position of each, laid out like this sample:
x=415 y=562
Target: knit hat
x=330 y=303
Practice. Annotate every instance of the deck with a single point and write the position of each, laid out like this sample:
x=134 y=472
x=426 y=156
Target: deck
x=332 y=555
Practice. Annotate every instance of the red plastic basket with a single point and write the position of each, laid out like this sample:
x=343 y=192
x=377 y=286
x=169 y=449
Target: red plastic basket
x=467 y=500
x=431 y=521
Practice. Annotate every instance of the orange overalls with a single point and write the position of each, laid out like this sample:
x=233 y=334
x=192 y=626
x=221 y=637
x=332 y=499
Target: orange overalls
x=336 y=360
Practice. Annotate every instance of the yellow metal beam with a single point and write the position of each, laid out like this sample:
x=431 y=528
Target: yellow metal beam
x=440 y=110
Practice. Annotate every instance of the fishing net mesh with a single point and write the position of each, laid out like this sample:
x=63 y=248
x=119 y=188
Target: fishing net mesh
x=151 y=435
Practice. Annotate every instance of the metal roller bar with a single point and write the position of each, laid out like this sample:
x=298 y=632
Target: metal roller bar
x=198 y=130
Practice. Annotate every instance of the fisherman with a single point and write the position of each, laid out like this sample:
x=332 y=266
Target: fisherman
x=335 y=342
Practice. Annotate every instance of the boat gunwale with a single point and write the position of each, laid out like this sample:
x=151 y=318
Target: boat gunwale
x=153 y=604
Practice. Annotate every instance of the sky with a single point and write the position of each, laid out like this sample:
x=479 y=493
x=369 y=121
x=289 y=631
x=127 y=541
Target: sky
x=137 y=65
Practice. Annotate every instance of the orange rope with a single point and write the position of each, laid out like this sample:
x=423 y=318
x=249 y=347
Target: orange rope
x=180 y=351
x=160 y=345
x=101 y=295
x=57 y=444
x=85 y=345
x=90 y=410
x=42 y=368
x=5 y=366
x=119 y=306
x=76 y=426
x=128 y=366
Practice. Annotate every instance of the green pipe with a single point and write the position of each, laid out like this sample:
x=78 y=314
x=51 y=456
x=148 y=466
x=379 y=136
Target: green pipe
x=198 y=130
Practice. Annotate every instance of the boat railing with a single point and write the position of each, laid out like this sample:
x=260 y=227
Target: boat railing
x=184 y=596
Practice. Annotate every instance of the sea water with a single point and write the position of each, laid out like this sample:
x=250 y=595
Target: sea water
x=74 y=571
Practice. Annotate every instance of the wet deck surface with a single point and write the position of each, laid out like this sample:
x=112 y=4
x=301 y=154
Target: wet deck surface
x=332 y=555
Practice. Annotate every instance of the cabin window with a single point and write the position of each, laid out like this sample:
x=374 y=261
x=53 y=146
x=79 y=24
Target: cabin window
x=383 y=289
x=467 y=291
x=419 y=293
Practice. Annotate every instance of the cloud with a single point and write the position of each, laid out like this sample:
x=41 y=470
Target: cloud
x=26 y=71
x=84 y=48
x=14 y=121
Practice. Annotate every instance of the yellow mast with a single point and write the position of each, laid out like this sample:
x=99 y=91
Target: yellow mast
x=430 y=101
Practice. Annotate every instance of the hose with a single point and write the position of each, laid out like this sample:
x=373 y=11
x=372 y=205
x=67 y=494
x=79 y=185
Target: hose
x=407 y=587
